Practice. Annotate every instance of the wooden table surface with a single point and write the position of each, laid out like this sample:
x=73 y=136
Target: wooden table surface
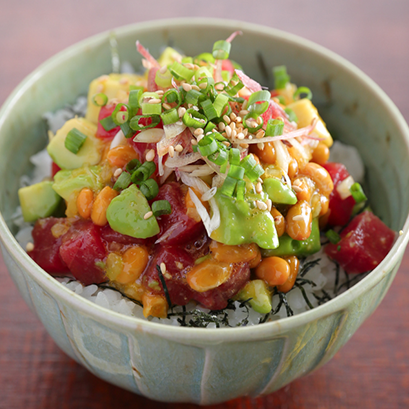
x=372 y=371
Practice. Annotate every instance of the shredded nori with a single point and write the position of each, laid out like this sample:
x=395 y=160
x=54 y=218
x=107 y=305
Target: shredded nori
x=308 y=266
x=165 y=288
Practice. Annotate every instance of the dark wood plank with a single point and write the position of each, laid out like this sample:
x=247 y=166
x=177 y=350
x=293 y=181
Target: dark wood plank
x=372 y=371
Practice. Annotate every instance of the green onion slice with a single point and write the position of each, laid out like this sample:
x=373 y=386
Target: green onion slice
x=163 y=80
x=303 y=90
x=220 y=157
x=133 y=165
x=202 y=73
x=281 y=78
x=118 y=119
x=170 y=117
x=134 y=122
x=292 y=117
x=149 y=188
x=207 y=146
x=240 y=190
x=151 y=109
x=143 y=173
x=74 y=140
x=107 y=123
x=333 y=236
x=100 y=99
x=209 y=109
x=134 y=97
x=123 y=181
x=161 y=207
x=259 y=96
x=229 y=185
x=234 y=86
x=252 y=115
x=210 y=126
x=172 y=96
x=236 y=172
x=221 y=50
x=255 y=173
x=194 y=119
x=357 y=193
x=204 y=58
x=179 y=71
x=234 y=156
x=274 y=127
x=193 y=96
x=220 y=103
x=126 y=130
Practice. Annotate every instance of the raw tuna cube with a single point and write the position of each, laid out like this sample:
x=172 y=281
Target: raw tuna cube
x=364 y=244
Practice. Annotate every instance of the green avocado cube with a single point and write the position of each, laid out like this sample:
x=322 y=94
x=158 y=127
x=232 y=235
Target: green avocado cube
x=260 y=296
x=125 y=214
x=38 y=201
x=278 y=192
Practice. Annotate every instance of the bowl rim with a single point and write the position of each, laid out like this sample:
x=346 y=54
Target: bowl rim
x=205 y=335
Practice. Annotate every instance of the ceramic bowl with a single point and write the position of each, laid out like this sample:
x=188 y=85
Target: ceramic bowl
x=207 y=365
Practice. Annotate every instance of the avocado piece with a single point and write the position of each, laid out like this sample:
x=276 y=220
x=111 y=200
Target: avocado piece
x=90 y=152
x=113 y=86
x=125 y=214
x=278 y=192
x=290 y=247
x=260 y=296
x=38 y=201
x=67 y=182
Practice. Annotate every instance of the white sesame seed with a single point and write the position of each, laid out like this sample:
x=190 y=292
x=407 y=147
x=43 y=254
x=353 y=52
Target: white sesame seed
x=150 y=155
x=261 y=205
x=198 y=131
x=239 y=119
x=200 y=137
x=193 y=142
x=245 y=131
x=166 y=106
x=260 y=145
x=117 y=172
x=228 y=131
x=226 y=119
x=163 y=69
x=178 y=148
x=260 y=134
x=250 y=137
x=195 y=87
x=219 y=87
x=189 y=65
x=171 y=151
x=243 y=112
x=159 y=91
x=260 y=180
x=244 y=105
x=269 y=204
x=240 y=135
x=147 y=215
x=226 y=143
x=203 y=85
x=29 y=247
x=179 y=265
x=222 y=126
x=233 y=116
x=244 y=145
x=233 y=133
x=186 y=87
x=296 y=189
x=259 y=188
x=196 y=109
x=154 y=101
x=163 y=268
x=181 y=111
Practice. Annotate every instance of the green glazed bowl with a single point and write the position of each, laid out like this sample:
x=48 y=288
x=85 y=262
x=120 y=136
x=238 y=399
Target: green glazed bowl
x=198 y=365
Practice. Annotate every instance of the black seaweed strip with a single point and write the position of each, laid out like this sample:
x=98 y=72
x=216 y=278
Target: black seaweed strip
x=304 y=294
x=308 y=266
x=165 y=288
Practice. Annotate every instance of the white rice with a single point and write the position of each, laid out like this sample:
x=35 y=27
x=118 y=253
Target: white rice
x=324 y=274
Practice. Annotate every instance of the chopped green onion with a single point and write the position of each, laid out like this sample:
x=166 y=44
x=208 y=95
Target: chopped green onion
x=255 y=116
x=171 y=96
x=209 y=109
x=240 y=190
x=221 y=50
x=223 y=168
x=255 y=173
x=259 y=96
x=161 y=207
x=225 y=76
x=210 y=126
x=74 y=140
x=122 y=117
x=187 y=60
x=192 y=97
x=204 y=57
x=209 y=81
x=100 y=99
x=123 y=181
x=107 y=123
x=134 y=97
x=149 y=188
x=234 y=156
x=229 y=185
x=118 y=119
x=126 y=130
x=170 y=117
x=202 y=73
x=136 y=87
x=163 y=80
x=274 y=127
x=151 y=109
x=357 y=193
x=333 y=236
x=143 y=173
x=218 y=136
x=220 y=86
x=236 y=172
x=252 y=169
x=133 y=165
x=193 y=119
x=220 y=103
x=220 y=157
x=292 y=117
x=303 y=90
x=179 y=71
x=281 y=78
x=259 y=108
x=134 y=123
x=248 y=162
x=234 y=86
x=207 y=146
